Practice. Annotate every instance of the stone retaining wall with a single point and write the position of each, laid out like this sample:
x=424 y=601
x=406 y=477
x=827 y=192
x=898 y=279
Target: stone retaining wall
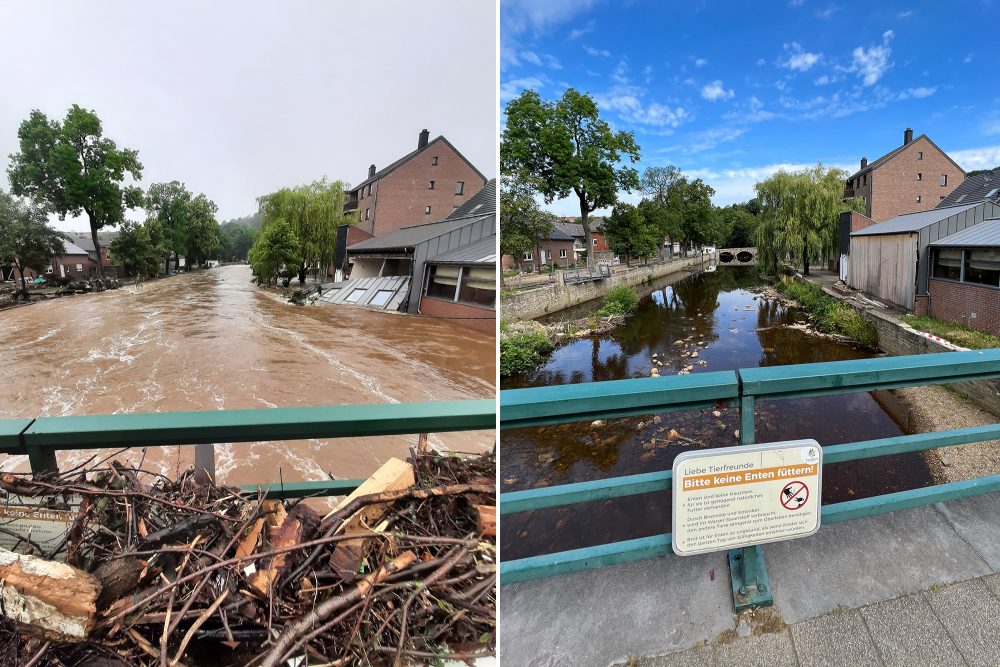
x=551 y=298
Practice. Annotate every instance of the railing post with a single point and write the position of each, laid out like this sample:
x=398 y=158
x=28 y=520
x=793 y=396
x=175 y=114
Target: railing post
x=204 y=459
x=751 y=587
x=42 y=459
x=746 y=420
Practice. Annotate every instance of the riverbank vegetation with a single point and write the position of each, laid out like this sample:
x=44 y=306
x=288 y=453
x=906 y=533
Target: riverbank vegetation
x=828 y=314
x=26 y=240
x=521 y=350
x=974 y=339
x=619 y=300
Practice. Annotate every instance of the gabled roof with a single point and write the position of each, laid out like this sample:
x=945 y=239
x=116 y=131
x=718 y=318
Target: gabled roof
x=73 y=249
x=891 y=154
x=484 y=201
x=973 y=189
x=483 y=251
x=984 y=234
x=408 y=237
x=913 y=222
x=385 y=171
x=575 y=229
x=558 y=234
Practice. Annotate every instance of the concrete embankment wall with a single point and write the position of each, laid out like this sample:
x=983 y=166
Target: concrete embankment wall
x=551 y=298
x=898 y=339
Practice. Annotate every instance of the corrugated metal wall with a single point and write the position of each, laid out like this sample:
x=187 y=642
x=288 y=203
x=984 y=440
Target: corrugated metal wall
x=947 y=227
x=884 y=266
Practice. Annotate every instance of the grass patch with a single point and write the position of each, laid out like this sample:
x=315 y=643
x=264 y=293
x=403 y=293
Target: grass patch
x=521 y=352
x=620 y=300
x=974 y=339
x=829 y=314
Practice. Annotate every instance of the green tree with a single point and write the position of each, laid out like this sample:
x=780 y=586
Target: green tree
x=739 y=226
x=522 y=222
x=201 y=240
x=692 y=217
x=235 y=240
x=313 y=212
x=170 y=205
x=26 y=240
x=566 y=148
x=629 y=234
x=74 y=169
x=799 y=215
x=136 y=247
x=275 y=250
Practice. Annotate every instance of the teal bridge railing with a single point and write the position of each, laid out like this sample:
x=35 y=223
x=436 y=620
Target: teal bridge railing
x=41 y=438
x=622 y=398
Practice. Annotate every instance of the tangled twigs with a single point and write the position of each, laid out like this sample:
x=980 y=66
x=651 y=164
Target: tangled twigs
x=197 y=574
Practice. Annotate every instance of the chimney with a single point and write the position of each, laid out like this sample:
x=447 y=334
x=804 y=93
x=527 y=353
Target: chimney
x=371 y=170
x=864 y=162
x=424 y=134
x=907 y=136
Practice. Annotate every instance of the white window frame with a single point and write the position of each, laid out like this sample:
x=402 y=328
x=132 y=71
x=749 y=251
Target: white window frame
x=528 y=256
x=562 y=253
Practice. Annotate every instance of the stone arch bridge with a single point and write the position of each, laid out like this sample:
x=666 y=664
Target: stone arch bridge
x=736 y=256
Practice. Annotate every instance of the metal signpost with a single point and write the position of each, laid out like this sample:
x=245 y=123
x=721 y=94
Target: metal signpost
x=737 y=498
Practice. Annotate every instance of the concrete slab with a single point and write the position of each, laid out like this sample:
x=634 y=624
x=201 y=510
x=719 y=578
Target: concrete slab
x=703 y=656
x=977 y=520
x=970 y=612
x=768 y=650
x=993 y=582
x=856 y=563
x=907 y=632
x=599 y=617
x=839 y=639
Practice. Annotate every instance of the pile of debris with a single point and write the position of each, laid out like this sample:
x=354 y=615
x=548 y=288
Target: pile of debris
x=187 y=572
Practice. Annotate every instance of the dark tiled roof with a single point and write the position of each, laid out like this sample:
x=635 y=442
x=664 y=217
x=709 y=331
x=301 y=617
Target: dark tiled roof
x=975 y=188
x=484 y=201
x=560 y=235
x=986 y=234
x=406 y=158
x=574 y=228
x=408 y=237
x=483 y=251
x=913 y=222
x=888 y=156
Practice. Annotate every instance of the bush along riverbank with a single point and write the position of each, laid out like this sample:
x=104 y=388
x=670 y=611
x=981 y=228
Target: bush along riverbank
x=829 y=315
x=525 y=344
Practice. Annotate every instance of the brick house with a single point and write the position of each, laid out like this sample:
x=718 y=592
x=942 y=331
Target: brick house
x=83 y=240
x=913 y=177
x=427 y=184
x=964 y=282
x=75 y=263
x=574 y=228
x=559 y=249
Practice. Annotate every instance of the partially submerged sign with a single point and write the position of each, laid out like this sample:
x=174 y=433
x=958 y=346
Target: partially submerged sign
x=741 y=496
x=33 y=524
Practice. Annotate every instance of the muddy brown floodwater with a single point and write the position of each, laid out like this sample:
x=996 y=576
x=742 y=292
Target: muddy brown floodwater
x=211 y=340
x=723 y=318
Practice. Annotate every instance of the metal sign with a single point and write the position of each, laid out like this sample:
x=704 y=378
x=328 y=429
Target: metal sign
x=735 y=497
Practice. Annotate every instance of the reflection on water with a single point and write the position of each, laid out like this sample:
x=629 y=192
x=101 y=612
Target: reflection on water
x=722 y=318
x=211 y=340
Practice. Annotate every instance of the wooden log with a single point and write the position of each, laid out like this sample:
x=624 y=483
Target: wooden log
x=47 y=599
x=302 y=520
x=486 y=519
x=394 y=475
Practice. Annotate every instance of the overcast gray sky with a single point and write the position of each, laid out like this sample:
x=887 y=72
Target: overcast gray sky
x=237 y=99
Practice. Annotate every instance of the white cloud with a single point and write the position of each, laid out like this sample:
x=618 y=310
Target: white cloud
x=737 y=184
x=823 y=80
x=796 y=3
x=761 y=62
x=632 y=109
x=577 y=33
x=716 y=91
x=922 y=91
x=700 y=62
x=798 y=59
x=531 y=57
x=828 y=12
x=519 y=16
x=602 y=53
x=647 y=73
x=908 y=13
x=711 y=138
x=551 y=61
x=986 y=157
x=870 y=64
x=991 y=127
x=967 y=59
x=512 y=88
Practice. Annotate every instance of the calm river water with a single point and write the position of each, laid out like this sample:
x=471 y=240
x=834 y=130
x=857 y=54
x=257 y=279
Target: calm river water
x=722 y=317
x=211 y=340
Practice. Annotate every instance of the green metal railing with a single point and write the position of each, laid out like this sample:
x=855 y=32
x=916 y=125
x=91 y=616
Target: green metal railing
x=41 y=438
x=601 y=400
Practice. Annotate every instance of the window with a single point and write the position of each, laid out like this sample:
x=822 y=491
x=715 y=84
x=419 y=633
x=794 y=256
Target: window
x=948 y=263
x=594 y=241
x=459 y=187
x=442 y=282
x=355 y=295
x=982 y=266
x=992 y=193
x=944 y=180
x=367 y=211
x=527 y=256
x=920 y=155
x=79 y=267
x=864 y=180
x=562 y=253
x=920 y=176
x=381 y=297
x=434 y=161
x=918 y=199
x=48 y=270
x=427 y=210
x=430 y=185
x=479 y=286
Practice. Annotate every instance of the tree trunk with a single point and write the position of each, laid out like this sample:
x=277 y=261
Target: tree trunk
x=805 y=258
x=587 y=235
x=24 y=287
x=302 y=274
x=97 y=244
x=166 y=266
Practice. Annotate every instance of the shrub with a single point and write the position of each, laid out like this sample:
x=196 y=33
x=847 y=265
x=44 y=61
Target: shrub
x=829 y=314
x=620 y=300
x=522 y=351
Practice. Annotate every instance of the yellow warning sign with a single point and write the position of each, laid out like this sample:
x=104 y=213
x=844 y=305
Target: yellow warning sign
x=740 y=496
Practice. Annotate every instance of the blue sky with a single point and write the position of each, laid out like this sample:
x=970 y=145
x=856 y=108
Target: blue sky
x=731 y=92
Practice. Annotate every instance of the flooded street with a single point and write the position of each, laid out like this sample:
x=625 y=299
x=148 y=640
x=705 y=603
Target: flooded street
x=211 y=340
x=720 y=316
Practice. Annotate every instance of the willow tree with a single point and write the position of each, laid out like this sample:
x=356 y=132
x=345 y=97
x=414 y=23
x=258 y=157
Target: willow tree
x=313 y=212
x=799 y=215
